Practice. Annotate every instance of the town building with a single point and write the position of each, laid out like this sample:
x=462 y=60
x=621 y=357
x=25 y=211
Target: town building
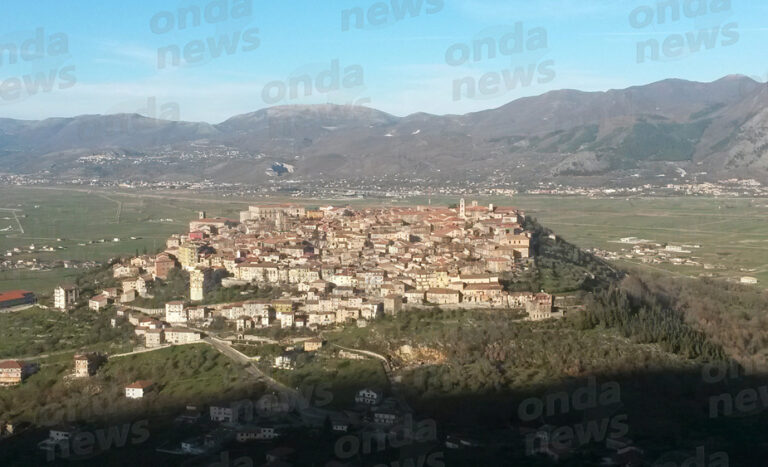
x=65 y=296
x=181 y=336
x=98 y=302
x=154 y=338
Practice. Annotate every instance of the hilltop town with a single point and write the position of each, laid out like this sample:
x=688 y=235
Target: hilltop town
x=324 y=268
x=334 y=265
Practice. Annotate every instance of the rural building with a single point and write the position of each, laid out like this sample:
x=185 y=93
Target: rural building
x=175 y=312
x=312 y=345
x=16 y=298
x=87 y=364
x=13 y=372
x=540 y=307
x=64 y=296
x=98 y=302
x=369 y=396
x=154 y=338
x=181 y=336
x=138 y=389
x=443 y=296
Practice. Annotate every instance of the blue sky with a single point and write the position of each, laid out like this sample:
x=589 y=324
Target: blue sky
x=111 y=57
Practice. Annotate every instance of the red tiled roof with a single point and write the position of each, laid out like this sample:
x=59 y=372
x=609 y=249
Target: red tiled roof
x=13 y=295
x=140 y=385
x=11 y=364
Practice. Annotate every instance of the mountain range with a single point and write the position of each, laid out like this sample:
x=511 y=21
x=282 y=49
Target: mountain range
x=714 y=130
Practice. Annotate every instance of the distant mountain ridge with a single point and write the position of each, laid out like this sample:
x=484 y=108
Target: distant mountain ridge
x=718 y=128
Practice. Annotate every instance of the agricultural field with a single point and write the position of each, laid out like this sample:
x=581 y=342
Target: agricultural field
x=82 y=225
x=731 y=233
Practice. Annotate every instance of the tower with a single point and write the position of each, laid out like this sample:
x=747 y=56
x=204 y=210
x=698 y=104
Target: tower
x=462 y=208
x=196 y=285
x=201 y=215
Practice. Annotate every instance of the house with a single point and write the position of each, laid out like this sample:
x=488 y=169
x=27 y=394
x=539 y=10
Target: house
x=482 y=293
x=388 y=412
x=197 y=314
x=282 y=306
x=244 y=323
x=98 y=302
x=443 y=296
x=154 y=338
x=414 y=297
x=340 y=422
x=139 y=284
x=393 y=304
x=540 y=307
x=312 y=345
x=175 y=313
x=128 y=296
x=284 y=362
x=120 y=270
x=65 y=296
x=286 y=319
x=369 y=396
x=181 y=336
x=111 y=292
x=229 y=414
x=16 y=298
x=272 y=404
x=13 y=372
x=163 y=265
x=59 y=437
x=257 y=433
x=87 y=364
x=138 y=389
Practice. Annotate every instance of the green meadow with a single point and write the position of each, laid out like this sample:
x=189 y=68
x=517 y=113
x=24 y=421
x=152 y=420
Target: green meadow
x=732 y=233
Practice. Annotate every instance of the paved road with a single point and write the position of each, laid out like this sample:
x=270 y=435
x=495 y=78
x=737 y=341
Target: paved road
x=250 y=368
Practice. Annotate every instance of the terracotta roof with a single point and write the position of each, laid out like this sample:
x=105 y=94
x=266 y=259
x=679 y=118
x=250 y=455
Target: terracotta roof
x=14 y=295
x=142 y=384
x=11 y=364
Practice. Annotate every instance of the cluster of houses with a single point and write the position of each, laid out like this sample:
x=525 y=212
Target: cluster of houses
x=14 y=372
x=270 y=417
x=337 y=265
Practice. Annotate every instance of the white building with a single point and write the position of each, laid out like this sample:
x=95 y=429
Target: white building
x=138 y=389
x=64 y=296
x=181 y=336
x=175 y=312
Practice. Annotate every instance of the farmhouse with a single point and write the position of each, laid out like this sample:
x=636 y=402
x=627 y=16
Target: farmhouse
x=13 y=372
x=138 y=389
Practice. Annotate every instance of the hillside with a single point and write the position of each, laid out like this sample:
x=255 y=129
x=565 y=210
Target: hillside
x=715 y=129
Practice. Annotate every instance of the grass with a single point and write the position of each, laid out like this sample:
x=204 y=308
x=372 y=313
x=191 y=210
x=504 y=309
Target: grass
x=341 y=378
x=81 y=216
x=731 y=232
x=190 y=374
x=37 y=331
